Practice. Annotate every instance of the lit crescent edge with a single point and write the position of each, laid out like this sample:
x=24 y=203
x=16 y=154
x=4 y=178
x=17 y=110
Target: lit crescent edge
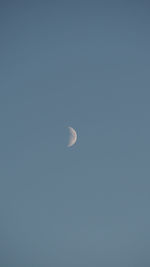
x=73 y=137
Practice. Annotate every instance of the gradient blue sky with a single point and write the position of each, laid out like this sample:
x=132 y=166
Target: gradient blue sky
x=84 y=64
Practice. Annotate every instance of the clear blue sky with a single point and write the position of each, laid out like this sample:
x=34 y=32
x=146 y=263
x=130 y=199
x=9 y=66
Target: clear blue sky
x=84 y=64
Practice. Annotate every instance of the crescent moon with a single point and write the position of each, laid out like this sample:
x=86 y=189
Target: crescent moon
x=72 y=137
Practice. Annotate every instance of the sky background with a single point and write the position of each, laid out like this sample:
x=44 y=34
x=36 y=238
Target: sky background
x=84 y=64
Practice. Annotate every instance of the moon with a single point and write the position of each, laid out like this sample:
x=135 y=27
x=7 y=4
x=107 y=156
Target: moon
x=72 y=136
